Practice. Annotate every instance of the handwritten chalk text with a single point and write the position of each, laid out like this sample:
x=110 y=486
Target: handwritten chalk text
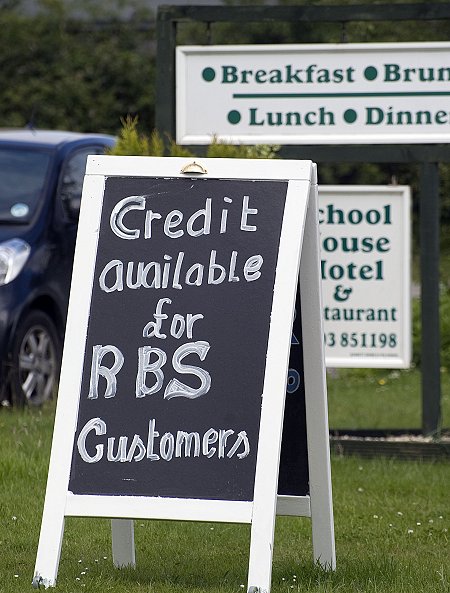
x=116 y=274
x=222 y=443
x=199 y=223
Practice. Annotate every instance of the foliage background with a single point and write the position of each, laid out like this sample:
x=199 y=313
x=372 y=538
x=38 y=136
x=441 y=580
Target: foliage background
x=77 y=65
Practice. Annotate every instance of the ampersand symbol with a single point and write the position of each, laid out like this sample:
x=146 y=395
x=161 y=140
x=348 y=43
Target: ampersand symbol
x=341 y=293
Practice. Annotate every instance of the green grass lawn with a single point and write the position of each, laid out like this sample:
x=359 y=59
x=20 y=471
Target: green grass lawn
x=391 y=521
x=368 y=398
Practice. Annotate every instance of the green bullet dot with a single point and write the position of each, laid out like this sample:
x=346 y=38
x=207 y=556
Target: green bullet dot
x=234 y=117
x=370 y=73
x=350 y=116
x=208 y=74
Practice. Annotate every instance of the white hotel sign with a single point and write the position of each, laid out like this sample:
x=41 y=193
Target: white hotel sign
x=365 y=244
x=314 y=94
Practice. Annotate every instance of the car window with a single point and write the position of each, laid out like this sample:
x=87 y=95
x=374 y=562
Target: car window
x=22 y=178
x=72 y=177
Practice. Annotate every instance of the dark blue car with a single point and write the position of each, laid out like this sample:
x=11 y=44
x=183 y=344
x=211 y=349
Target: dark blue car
x=41 y=177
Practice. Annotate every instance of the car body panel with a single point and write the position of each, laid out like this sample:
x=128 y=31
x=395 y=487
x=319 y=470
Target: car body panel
x=44 y=281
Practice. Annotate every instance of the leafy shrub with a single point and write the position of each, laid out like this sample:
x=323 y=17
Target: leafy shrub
x=133 y=142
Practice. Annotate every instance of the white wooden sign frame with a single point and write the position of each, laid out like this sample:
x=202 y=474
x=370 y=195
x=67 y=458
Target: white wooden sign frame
x=299 y=252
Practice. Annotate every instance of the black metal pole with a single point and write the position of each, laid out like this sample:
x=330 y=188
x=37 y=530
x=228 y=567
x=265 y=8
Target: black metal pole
x=429 y=263
x=165 y=72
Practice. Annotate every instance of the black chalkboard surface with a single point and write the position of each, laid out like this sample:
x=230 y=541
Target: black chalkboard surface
x=181 y=305
x=293 y=479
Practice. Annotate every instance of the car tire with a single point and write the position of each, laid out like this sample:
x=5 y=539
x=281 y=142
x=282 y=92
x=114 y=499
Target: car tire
x=36 y=360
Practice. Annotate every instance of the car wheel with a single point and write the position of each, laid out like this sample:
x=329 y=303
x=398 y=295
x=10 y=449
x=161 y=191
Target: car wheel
x=36 y=354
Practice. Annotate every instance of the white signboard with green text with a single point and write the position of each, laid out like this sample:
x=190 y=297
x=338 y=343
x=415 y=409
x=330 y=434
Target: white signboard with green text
x=314 y=94
x=365 y=265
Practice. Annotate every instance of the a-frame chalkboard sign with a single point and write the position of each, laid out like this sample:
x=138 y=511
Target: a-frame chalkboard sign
x=172 y=390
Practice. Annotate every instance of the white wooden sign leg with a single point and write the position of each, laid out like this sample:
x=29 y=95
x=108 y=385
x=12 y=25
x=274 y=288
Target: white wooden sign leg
x=123 y=550
x=261 y=551
x=272 y=411
x=264 y=511
x=49 y=550
x=50 y=541
x=315 y=393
